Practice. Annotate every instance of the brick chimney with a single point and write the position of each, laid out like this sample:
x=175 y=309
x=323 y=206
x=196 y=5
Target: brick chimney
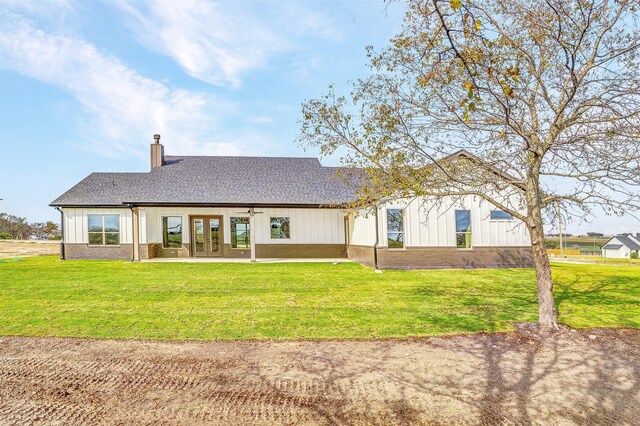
x=157 y=153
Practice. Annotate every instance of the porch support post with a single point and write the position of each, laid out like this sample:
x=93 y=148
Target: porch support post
x=252 y=233
x=136 y=233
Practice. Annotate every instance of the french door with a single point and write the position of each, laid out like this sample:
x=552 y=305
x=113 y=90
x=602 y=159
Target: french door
x=206 y=236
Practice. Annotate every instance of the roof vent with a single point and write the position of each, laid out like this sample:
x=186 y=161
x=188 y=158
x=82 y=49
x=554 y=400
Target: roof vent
x=157 y=153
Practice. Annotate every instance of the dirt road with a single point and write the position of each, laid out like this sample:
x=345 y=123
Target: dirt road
x=581 y=377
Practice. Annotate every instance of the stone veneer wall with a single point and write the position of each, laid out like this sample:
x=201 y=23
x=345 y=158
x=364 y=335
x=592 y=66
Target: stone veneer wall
x=451 y=257
x=301 y=251
x=85 y=251
x=121 y=252
x=361 y=254
x=409 y=258
x=156 y=250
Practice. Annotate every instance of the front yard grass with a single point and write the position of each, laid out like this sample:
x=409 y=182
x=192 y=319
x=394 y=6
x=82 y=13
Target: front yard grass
x=43 y=296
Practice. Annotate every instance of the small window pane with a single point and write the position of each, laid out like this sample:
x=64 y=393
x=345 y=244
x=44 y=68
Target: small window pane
x=395 y=219
x=95 y=238
x=395 y=240
x=214 y=229
x=280 y=227
x=112 y=238
x=395 y=228
x=95 y=222
x=499 y=214
x=240 y=232
x=112 y=223
x=198 y=239
x=463 y=228
x=172 y=232
x=463 y=239
x=463 y=221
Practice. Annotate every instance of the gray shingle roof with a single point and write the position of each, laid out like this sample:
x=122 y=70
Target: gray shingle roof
x=628 y=242
x=612 y=246
x=216 y=180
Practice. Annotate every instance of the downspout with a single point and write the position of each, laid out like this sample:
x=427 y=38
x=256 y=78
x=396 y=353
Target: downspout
x=61 y=233
x=375 y=245
x=133 y=246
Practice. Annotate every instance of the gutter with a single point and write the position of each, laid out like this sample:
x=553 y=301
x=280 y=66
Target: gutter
x=182 y=204
x=247 y=205
x=85 y=206
x=62 y=257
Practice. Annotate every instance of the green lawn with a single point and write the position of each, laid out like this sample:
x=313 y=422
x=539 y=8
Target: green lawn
x=46 y=297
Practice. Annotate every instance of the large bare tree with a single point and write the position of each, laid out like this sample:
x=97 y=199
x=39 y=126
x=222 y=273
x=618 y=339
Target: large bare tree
x=544 y=95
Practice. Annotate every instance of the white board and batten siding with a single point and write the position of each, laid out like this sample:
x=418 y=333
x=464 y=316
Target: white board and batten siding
x=425 y=224
x=307 y=226
x=431 y=224
x=362 y=228
x=76 y=226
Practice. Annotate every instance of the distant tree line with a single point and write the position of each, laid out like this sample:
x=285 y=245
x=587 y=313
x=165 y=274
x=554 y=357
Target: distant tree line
x=18 y=228
x=588 y=234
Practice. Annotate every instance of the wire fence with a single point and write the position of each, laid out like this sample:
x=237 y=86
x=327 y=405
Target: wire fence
x=574 y=252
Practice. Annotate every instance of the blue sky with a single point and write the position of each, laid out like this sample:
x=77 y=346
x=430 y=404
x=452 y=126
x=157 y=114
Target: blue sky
x=84 y=85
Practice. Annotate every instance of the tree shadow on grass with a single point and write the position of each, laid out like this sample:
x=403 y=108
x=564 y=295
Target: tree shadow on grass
x=614 y=294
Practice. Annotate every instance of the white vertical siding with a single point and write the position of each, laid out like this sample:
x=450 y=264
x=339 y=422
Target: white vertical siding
x=142 y=217
x=307 y=226
x=431 y=223
x=427 y=224
x=362 y=228
x=76 y=226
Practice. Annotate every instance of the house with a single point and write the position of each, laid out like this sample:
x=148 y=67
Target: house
x=622 y=246
x=272 y=207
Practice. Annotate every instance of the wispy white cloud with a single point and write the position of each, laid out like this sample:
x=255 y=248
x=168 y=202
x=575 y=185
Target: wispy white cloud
x=46 y=8
x=220 y=42
x=260 y=119
x=50 y=14
x=301 y=20
x=212 y=42
x=120 y=107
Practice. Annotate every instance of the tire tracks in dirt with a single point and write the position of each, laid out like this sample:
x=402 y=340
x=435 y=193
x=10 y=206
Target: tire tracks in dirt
x=461 y=379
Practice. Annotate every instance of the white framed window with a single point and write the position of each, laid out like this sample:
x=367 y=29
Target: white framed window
x=172 y=231
x=280 y=228
x=104 y=229
x=500 y=215
x=463 y=229
x=395 y=228
x=240 y=232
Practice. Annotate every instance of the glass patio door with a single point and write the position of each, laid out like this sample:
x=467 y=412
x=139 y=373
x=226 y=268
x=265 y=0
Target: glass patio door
x=206 y=234
x=214 y=236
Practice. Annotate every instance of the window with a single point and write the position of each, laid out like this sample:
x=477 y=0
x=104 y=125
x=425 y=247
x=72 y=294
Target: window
x=240 y=232
x=463 y=228
x=104 y=229
x=172 y=232
x=500 y=215
x=395 y=228
x=280 y=227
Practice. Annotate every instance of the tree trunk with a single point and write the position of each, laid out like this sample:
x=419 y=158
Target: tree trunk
x=547 y=315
